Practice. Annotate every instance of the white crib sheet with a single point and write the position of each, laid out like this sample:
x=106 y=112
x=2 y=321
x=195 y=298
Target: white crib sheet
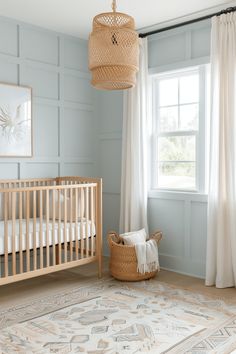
x=91 y=232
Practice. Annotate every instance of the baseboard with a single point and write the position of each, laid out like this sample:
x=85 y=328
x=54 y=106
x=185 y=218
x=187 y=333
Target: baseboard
x=183 y=265
x=183 y=273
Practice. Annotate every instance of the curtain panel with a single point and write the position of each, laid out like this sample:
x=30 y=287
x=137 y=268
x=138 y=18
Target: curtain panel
x=133 y=208
x=221 y=244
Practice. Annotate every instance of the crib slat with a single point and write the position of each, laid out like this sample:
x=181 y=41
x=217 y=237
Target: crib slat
x=34 y=230
x=20 y=233
x=53 y=228
x=41 y=228
x=27 y=231
x=96 y=219
x=38 y=198
x=59 y=227
x=9 y=203
x=92 y=219
x=99 y=227
x=87 y=219
x=47 y=229
x=71 y=212
x=6 y=202
x=13 y=215
x=82 y=222
x=76 y=225
x=24 y=216
x=65 y=225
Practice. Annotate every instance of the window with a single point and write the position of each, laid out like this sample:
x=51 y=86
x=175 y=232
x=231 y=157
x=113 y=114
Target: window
x=179 y=130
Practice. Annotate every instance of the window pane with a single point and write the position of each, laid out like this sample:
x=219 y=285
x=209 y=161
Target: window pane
x=168 y=119
x=189 y=117
x=176 y=148
x=177 y=175
x=168 y=92
x=189 y=89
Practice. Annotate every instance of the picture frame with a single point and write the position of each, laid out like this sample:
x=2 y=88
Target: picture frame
x=16 y=138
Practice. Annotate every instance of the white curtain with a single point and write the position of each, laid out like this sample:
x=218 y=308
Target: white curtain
x=133 y=209
x=221 y=246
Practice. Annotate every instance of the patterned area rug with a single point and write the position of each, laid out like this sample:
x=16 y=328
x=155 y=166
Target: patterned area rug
x=111 y=317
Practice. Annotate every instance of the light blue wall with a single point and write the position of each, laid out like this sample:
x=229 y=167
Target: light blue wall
x=78 y=131
x=64 y=123
x=182 y=217
x=109 y=108
x=184 y=46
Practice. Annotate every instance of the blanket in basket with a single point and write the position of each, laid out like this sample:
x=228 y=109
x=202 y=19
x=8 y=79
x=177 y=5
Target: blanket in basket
x=146 y=250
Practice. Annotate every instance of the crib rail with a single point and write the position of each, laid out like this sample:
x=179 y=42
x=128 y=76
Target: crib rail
x=49 y=225
x=7 y=185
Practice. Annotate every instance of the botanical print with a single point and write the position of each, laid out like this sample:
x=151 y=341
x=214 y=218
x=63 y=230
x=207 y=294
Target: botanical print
x=15 y=121
x=112 y=317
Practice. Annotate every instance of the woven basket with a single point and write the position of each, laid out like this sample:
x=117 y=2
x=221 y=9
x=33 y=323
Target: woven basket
x=123 y=260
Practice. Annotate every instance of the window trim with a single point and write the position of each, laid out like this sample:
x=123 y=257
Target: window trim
x=200 y=134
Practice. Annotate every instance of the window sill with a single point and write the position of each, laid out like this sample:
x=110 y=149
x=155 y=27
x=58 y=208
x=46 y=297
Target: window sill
x=177 y=195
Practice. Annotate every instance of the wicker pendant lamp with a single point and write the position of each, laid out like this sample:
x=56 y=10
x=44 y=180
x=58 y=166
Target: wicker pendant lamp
x=113 y=51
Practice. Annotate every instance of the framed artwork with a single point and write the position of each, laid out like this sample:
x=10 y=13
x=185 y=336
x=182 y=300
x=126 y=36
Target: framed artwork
x=15 y=121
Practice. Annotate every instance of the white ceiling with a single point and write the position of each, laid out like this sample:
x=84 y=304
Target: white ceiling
x=75 y=16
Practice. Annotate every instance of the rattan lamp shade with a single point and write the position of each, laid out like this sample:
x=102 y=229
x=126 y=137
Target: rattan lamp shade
x=113 y=51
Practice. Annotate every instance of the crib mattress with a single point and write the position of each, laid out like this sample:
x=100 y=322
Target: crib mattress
x=82 y=227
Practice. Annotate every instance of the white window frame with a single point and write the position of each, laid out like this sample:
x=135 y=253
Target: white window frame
x=200 y=134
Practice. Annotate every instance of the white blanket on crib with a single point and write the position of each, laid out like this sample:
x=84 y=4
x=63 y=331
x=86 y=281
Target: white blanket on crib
x=84 y=229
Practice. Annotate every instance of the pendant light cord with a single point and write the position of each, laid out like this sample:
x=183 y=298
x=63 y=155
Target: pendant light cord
x=114 y=5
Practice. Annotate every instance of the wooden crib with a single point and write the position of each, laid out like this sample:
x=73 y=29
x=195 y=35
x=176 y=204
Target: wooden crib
x=47 y=225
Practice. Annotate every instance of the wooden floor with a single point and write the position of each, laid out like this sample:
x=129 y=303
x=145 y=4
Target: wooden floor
x=197 y=285
x=13 y=294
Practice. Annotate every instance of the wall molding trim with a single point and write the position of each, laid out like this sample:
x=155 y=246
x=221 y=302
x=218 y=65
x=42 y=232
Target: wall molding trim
x=55 y=66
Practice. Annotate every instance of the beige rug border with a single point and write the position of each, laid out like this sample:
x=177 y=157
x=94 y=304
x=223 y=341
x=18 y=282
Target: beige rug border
x=95 y=282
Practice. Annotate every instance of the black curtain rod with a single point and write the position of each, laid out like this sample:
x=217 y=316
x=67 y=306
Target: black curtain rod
x=226 y=11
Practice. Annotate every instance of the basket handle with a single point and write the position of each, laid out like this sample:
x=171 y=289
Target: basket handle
x=113 y=236
x=157 y=236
